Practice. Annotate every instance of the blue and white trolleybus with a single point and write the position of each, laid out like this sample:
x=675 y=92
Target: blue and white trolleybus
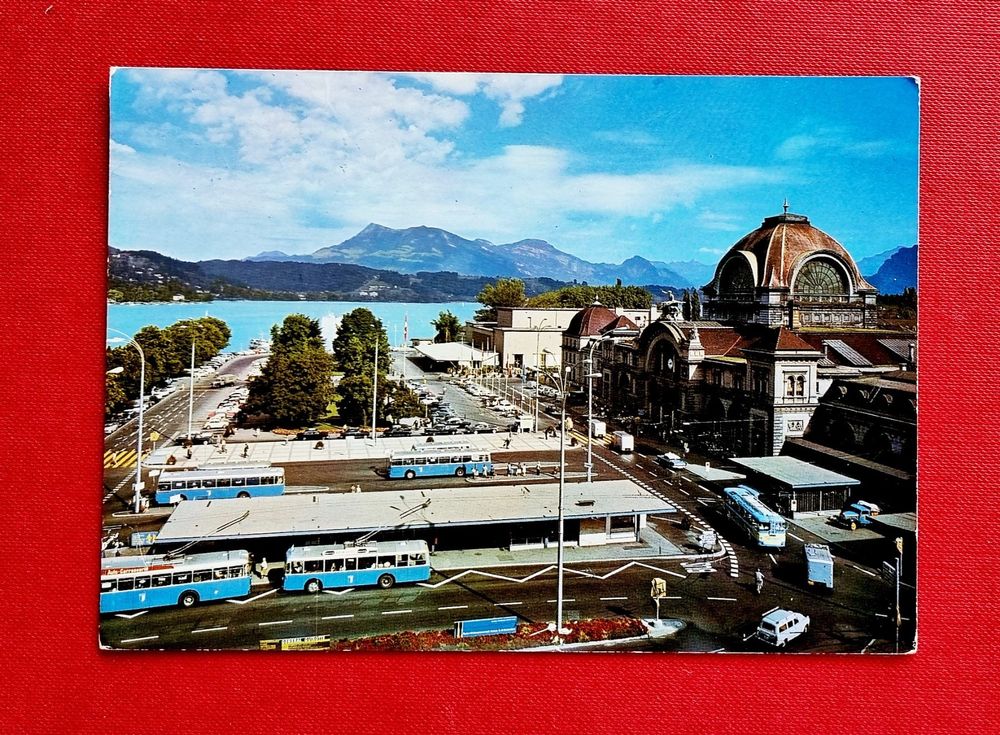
x=213 y=483
x=382 y=563
x=762 y=525
x=143 y=582
x=439 y=462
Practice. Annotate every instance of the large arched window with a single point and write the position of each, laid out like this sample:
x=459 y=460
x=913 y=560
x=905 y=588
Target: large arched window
x=820 y=277
x=736 y=281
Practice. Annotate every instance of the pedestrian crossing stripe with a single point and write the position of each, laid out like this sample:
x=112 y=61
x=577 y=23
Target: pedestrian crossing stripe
x=582 y=439
x=121 y=458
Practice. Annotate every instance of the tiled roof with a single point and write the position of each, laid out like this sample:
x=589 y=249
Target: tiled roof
x=620 y=323
x=847 y=353
x=590 y=321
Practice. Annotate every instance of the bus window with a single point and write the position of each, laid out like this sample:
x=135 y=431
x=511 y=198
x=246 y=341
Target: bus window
x=417 y=560
x=314 y=565
x=208 y=482
x=161 y=580
x=350 y=564
x=178 y=485
x=236 y=571
x=253 y=481
x=163 y=487
x=182 y=577
x=125 y=583
x=141 y=583
x=110 y=586
x=238 y=481
x=193 y=484
x=366 y=562
x=202 y=575
x=330 y=565
x=219 y=573
x=402 y=561
x=224 y=482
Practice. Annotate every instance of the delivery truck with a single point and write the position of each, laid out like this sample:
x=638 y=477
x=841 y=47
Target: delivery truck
x=622 y=441
x=598 y=428
x=819 y=565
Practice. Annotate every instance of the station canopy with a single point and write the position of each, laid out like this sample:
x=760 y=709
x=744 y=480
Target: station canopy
x=303 y=514
x=795 y=474
x=456 y=352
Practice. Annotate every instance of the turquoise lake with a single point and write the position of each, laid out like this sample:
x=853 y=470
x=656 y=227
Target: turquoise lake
x=254 y=319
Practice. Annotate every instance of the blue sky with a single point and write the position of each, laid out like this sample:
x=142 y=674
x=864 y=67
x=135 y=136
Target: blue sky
x=226 y=164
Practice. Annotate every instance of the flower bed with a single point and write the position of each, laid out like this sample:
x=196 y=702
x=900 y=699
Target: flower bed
x=528 y=635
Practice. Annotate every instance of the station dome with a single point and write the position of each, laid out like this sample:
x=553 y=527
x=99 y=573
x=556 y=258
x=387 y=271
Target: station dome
x=787 y=252
x=590 y=321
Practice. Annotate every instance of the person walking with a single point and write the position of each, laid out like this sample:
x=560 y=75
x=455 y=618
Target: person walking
x=759 y=578
x=246 y=450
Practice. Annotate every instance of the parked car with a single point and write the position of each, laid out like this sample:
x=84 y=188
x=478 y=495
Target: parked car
x=312 y=434
x=481 y=427
x=778 y=627
x=201 y=437
x=858 y=514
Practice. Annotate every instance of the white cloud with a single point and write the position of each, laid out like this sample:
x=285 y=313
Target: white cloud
x=298 y=161
x=721 y=221
x=120 y=147
x=826 y=142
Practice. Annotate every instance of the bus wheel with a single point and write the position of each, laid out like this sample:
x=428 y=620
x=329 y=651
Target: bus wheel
x=409 y=474
x=460 y=472
x=854 y=526
x=313 y=586
x=243 y=494
x=188 y=599
x=386 y=581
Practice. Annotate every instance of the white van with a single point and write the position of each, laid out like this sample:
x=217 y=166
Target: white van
x=778 y=626
x=622 y=441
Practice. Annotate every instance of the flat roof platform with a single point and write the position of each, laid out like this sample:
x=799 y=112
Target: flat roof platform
x=794 y=473
x=338 y=513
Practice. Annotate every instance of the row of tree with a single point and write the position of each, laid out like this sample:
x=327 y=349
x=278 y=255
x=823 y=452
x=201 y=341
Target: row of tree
x=296 y=386
x=168 y=355
x=509 y=292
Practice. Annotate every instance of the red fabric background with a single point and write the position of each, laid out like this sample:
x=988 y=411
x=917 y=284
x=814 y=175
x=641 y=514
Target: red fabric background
x=54 y=184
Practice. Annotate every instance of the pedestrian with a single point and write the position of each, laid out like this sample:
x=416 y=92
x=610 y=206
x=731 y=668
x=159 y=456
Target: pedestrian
x=246 y=450
x=521 y=469
x=256 y=432
x=759 y=577
x=189 y=452
x=538 y=468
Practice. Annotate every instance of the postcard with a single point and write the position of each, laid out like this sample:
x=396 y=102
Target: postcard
x=406 y=361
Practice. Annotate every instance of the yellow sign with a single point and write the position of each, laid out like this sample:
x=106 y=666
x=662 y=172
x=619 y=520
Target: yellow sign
x=154 y=436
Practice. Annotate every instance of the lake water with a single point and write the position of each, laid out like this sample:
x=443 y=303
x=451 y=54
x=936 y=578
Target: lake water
x=254 y=319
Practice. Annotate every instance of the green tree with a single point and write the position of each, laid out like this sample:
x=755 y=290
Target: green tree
x=502 y=292
x=295 y=386
x=448 y=327
x=354 y=345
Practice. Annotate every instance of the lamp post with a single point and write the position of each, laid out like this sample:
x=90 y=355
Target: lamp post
x=590 y=407
x=375 y=385
x=560 y=631
x=538 y=367
x=137 y=498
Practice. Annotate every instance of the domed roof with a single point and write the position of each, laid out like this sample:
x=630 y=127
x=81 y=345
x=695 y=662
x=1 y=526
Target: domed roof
x=771 y=256
x=590 y=321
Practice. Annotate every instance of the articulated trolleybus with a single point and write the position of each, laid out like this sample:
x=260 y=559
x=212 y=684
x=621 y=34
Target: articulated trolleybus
x=382 y=563
x=437 y=462
x=761 y=524
x=214 y=483
x=143 y=582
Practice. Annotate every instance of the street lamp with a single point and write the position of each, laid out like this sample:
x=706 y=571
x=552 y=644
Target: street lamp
x=137 y=499
x=590 y=406
x=191 y=381
x=562 y=486
x=538 y=367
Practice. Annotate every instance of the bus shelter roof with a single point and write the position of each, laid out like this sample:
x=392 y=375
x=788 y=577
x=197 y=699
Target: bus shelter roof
x=394 y=509
x=794 y=473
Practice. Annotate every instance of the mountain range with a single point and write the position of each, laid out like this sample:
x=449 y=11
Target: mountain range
x=423 y=249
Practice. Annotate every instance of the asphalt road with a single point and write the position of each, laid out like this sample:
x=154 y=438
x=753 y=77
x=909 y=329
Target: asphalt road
x=716 y=602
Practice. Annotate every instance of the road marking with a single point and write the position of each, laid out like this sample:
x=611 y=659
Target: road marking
x=672 y=598
x=881 y=615
x=453 y=607
x=338 y=592
x=210 y=630
x=718 y=650
x=132 y=616
x=144 y=638
x=773 y=560
x=251 y=599
x=565 y=599
x=506 y=604
x=722 y=599
x=703 y=487
x=337 y=617
x=800 y=540
x=870 y=574
x=275 y=622
x=703 y=501
x=396 y=612
x=684 y=491
x=865 y=649
x=613 y=598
